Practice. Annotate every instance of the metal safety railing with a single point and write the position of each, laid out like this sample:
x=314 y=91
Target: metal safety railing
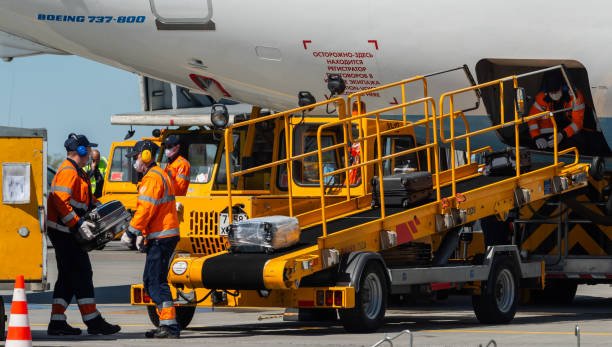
x=515 y=122
x=430 y=120
x=289 y=157
x=379 y=158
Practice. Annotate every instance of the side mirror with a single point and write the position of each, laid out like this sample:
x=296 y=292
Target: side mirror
x=520 y=101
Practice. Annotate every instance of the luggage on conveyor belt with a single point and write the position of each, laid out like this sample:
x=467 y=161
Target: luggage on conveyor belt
x=263 y=234
x=403 y=189
x=503 y=163
x=110 y=219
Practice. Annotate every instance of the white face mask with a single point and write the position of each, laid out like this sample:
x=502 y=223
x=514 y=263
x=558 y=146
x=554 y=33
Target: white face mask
x=139 y=166
x=556 y=96
x=171 y=152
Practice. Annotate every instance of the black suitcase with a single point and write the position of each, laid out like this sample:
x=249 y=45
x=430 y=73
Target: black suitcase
x=403 y=189
x=110 y=219
x=503 y=163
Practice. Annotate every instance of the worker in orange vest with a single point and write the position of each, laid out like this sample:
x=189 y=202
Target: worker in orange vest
x=555 y=96
x=70 y=198
x=354 y=175
x=156 y=229
x=178 y=168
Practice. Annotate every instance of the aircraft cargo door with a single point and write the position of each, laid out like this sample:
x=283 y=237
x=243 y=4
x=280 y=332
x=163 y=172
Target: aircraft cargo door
x=23 y=172
x=183 y=14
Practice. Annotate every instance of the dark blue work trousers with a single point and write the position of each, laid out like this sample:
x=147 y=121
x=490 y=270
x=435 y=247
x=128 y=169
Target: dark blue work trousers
x=74 y=273
x=155 y=277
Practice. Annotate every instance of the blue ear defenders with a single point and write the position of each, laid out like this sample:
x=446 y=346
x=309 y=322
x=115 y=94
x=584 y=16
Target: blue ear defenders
x=81 y=150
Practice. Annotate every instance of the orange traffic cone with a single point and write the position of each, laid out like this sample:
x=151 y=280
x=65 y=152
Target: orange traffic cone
x=19 y=334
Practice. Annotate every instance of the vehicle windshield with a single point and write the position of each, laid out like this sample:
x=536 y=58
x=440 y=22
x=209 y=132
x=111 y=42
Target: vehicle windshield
x=200 y=149
x=121 y=167
x=306 y=171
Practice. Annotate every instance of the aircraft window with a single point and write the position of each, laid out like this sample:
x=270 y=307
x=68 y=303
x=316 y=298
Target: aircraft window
x=120 y=166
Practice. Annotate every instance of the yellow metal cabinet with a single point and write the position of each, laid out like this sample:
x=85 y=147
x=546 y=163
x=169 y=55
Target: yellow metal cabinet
x=23 y=241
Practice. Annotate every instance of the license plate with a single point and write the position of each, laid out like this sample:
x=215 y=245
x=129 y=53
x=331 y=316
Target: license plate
x=224 y=221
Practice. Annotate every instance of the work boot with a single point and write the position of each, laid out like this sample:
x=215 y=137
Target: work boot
x=98 y=326
x=151 y=333
x=60 y=327
x=162 y=333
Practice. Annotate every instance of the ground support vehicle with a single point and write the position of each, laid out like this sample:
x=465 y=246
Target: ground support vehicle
x=23 y=240
x=351 y=256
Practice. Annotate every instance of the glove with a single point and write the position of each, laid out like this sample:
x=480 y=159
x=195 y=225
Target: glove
x=541 y=143
x=179 y=207
x=140 y=243
x=551 y=139
x=87 y=228
x=126 y=239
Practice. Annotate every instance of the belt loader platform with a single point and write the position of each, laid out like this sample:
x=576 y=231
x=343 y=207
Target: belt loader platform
x=345 y=256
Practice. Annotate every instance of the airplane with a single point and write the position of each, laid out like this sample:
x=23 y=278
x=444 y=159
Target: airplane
x=265 y=52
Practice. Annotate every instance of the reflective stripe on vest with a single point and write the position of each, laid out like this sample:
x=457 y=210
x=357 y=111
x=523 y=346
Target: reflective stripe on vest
x=78 y=205
x=61 y=189
x=68 y=217
x=58 y=227
x=163 y=233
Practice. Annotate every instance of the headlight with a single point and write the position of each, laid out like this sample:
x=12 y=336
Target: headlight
x=179 y=267
x=219 y=116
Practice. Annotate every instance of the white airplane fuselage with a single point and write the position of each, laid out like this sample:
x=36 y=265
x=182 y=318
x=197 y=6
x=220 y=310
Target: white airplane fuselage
x=264 y=52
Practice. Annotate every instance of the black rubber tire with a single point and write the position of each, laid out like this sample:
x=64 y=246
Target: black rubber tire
x=2 y=320
x=356 y=319
x=184 y=315
x=598 y=167
x=502 y=278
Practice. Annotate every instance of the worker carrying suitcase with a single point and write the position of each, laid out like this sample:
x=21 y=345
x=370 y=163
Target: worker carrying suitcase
x=403 y=189
x=263 y=234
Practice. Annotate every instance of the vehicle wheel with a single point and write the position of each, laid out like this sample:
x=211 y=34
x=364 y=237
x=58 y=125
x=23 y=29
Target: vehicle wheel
x=598 y=167
x=370 y=302
x=2 y=320
x=184 y=315
x=499 y=296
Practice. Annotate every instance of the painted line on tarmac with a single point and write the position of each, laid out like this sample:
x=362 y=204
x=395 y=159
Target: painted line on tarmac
x=124 y=325
x=514 y=332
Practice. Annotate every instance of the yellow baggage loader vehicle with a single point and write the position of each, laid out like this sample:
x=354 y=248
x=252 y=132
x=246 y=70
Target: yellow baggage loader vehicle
x=352 y=256
x=23 y=240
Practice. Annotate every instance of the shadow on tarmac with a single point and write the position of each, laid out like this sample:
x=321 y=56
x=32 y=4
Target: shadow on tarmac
x=104 y=295
x=444 y=315
x=41 y=336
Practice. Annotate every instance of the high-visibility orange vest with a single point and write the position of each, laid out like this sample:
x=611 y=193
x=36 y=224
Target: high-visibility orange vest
x=178 y=171
x=70 y=197
x=544 y=126
x=155 y=215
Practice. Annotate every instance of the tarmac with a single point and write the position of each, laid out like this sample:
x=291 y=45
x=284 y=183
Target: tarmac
x=442 y=323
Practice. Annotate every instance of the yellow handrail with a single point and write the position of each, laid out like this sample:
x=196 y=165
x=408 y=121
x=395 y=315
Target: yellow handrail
x=341 y=112
x=503 y=123
x=380 y=158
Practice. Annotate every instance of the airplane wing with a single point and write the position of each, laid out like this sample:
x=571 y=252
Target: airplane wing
x=179 y=117
x=12 y=46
